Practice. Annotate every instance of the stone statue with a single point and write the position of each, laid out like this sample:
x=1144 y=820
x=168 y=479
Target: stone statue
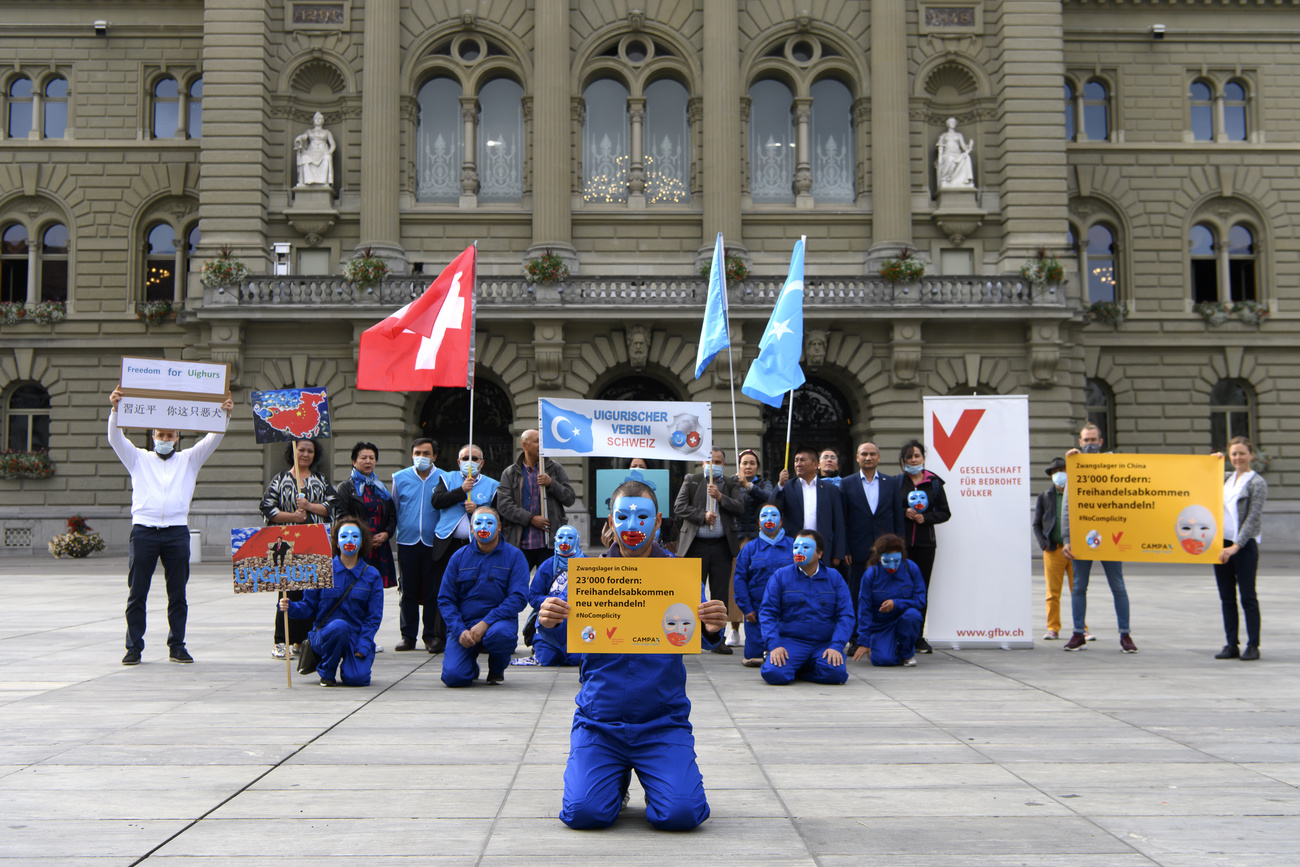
x=814 y=350
x=315 y=150
x=953 y=164
x=638 y=346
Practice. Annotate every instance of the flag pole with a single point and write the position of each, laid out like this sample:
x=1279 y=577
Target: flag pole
x=789 y=423
x=731 y=370
x=469 y=373
x=541 y=468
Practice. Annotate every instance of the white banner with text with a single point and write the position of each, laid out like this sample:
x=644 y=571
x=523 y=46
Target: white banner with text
x=676 y=431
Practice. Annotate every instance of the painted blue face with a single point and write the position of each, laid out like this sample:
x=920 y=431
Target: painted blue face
x=805 y=549
x=891 y=561
x=349 y=538
x=634 y=521
x=918 y=500
x=484 y=526
x=566 y=541
x=769 y=519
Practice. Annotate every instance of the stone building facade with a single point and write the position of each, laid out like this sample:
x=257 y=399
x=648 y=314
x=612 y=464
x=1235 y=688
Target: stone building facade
x=1153 y=147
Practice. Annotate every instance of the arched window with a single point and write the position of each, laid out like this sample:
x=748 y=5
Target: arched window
x=1099 y=404
x=1096 y=111
x=19 y=122
x=1201 y=98
x=1204 y=265
x=1234 y=111
x=54 y=263
x=771 y=143
x=1241 y=264
x=501 y=141
x=1100 y=264
x=1232 y=406
x=667 y=144
x=194 y=127
x=832 y=142
x=821 y=421
x=55 y=108
x=14 y=264
x=439 y=142
x=27 y=419
x=166 y=108
x=444 y=416
x=1070 y=109
x=161 y=265
x=606 y=138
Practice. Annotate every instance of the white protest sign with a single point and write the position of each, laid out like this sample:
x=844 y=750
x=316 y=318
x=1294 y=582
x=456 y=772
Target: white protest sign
x=674 y=431
x=158 y=374
x=176 y=395
x=173 y=414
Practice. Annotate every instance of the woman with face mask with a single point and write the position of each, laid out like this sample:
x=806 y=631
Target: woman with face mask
x=299 y=495
x=1047 y=531
x=551 y=645
x=364 y=496
x=927 y=506
x=1244 y=495
x=344 y=617
x=890 y=605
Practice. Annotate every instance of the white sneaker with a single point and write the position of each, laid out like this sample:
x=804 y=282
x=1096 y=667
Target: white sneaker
x=379 y=648
x=733 y=637
x=910 y=661
x=279 y=651
x=1088 y=636
x=1051 y=635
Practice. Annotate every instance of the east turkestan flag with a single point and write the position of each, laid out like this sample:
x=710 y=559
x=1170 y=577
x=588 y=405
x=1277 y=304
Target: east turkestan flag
x=429 y=342
x=776 y=370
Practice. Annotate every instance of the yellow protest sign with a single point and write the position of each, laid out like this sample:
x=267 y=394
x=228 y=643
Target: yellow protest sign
x=634 y=605
x=1149 y=508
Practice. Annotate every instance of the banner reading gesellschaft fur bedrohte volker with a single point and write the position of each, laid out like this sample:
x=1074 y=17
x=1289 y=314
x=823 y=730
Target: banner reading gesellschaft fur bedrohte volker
x=673 y=431
x=1152 y=508
x=980 y=593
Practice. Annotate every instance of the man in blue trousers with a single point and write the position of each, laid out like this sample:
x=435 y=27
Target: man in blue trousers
x=806 y=618
x=759 y=560
x=551 y=646
x=889 y=609
x=633 y=713
x=483 y=590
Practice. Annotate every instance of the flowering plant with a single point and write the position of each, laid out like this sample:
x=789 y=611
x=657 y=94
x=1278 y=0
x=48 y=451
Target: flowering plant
x=1043 y=268
x=1251 y=312
x=1105 y=311
x=25 y=465
x=547 y=268
x=49 y=312
x=1214 y=312
x=157 y=312
x=79 y=541
x=904 y=269
x=735 y=270
x=12 y=312
x=365 y=270
x=225 y=270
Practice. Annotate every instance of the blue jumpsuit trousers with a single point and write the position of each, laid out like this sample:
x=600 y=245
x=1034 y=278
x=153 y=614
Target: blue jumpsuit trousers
x=804 y=661
x=335 y=644
x=893 y=641
x=460 y=664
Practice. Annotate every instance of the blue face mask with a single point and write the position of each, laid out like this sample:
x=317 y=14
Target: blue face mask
x=769 y=519
x=634 y=521
x=566 y=542
x=163 y=448
x=422 y=463
x=349 y=539
x=805 y=550
x=918 y=500
x=891 y=561
x=1059 y=479
x=484 y=526
x=467 y=467
x=914 y=470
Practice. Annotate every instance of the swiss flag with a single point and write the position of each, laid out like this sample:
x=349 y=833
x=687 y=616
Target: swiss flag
x=429 y=342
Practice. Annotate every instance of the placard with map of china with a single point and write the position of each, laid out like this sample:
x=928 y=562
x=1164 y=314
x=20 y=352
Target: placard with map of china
x=290 y=414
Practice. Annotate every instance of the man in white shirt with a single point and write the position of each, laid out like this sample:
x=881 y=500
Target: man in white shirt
x=162 y=485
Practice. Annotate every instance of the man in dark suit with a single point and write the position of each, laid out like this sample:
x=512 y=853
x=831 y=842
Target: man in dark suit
x=809 y=503
x=873 y=507
x=709 y=508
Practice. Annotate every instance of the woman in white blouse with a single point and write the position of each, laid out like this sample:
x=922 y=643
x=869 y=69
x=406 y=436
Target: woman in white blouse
x=1244 y=494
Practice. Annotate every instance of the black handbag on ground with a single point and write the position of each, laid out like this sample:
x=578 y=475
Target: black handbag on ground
x=308 y=658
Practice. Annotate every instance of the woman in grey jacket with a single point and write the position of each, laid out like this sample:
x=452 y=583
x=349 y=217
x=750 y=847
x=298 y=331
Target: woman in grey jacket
x=1244 y=494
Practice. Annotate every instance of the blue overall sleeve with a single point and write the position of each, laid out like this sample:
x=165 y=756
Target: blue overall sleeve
x=540 y=589
x=306 y=609
x=769 y=615
x=866 y=608
x=374 y=611
x=843 y=612
x=516 y=591
x=449 y=596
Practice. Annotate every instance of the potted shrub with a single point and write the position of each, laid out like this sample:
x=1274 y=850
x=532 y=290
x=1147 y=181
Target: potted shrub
x=1251 y=312
x=25 y=465
x=1043 y=268
x=904 y=269
x=157 y=312
x=12 y=312
x=79 y=541
x=49 y=312
x=546 y=268
x=734 y=270
x=365 y=270
x=1214 y=313
x=225 y=270
x=1108 y=312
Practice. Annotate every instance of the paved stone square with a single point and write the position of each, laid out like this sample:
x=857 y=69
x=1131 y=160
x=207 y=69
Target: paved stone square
x=977 y=757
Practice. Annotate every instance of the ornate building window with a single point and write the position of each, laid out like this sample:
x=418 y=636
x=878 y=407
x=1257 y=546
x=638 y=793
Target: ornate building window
x=165 y=261
x=771 y=143
x=166 y=108
x=439 y=141
x=606 y=135
x=832 y=142
x=194 y=127
x=1234 y=111
x=1099 y=404
x=1096 y=111
x=14 y=264
x=1069 y=112
x=27 y=418
x=500 y=141
x=1241 y=264
x=1204 y=267
x=1201 y=104
x=54 y=263
x=1218 y=112
x=1223 y=271
x=20 y=107
x=31 y=272
x=1232 y=406
x=54 y=108
x=1098 y=262
x=667 y=143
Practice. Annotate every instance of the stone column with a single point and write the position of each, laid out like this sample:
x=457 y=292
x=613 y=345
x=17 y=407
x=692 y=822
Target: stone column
x=802 y=158
x=636 y=167
x=380 y=148
x=469 y=153
x=721 y=130
x=891 y=173
x=552 y=156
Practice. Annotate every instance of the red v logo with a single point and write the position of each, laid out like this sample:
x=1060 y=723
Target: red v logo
x=1115 y=537
x=949 y=446
x=609 y=633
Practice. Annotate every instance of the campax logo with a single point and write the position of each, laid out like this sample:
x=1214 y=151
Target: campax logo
x=949 y=446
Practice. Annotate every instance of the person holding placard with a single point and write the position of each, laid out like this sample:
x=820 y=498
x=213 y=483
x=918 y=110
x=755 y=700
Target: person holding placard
x=889 y=612
x=633 y=713
x=708 y=505
x=1244 y=495
x=520 y=495
x=299 y=495
x=551 y=645
x=162 y=486
x=806 y=618
x=773 y=550
x=345 y=617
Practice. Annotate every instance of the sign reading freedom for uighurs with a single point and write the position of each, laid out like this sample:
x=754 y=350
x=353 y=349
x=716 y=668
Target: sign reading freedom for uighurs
x=1150 y=508
x=674 y=431
x=634 y=605
x=180 y=395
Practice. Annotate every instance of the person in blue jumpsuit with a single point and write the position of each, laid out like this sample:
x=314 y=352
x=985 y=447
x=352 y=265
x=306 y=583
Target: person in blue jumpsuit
x=550 y=647
x=633 y=713
x=890 y=606
x=806 y=618
x=483 y=590
x=346 y=643
x=758 y=562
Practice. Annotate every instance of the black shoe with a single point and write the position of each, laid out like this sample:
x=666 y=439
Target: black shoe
x=1229 y=652
x=404 y=645
x=496 y=677
x=180 y=654
x=923 y=646
x=723 y=649
x=1250 y=654
x=436 y=646
x=132 y=658
x=324 y=681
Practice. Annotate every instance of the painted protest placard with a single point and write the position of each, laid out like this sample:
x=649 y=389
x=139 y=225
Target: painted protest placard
x=1149 y=508
x=180 y=395
x=290 y=413
x=634 y=605
x=608 y=480
x=664 y=430
x=283 y=557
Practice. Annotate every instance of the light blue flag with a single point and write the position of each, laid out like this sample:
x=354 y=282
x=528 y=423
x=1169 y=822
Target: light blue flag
x=777 y=370
x=713 y=333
